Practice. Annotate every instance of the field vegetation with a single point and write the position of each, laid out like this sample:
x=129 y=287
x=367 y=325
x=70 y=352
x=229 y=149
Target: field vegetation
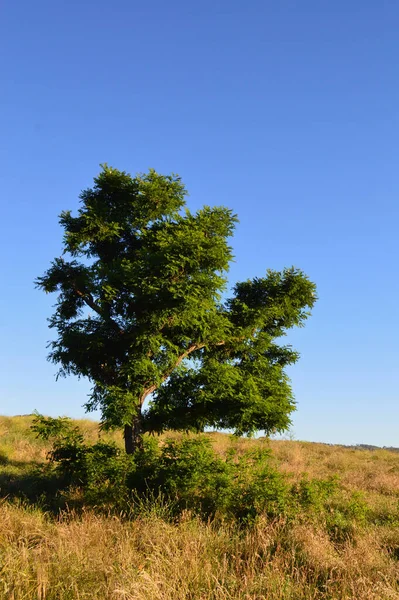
x=283 y=520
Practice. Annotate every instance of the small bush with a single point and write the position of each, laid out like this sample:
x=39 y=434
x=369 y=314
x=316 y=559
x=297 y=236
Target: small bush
x=193 y=476
x=47 y=428
x=316 y=494
x=99 y=470
x=258 y=488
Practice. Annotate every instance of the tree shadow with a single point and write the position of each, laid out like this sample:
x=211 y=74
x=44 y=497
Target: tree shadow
x=18 y=464
x=34 y=483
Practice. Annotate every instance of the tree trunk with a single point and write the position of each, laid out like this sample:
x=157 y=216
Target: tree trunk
x=134 y=434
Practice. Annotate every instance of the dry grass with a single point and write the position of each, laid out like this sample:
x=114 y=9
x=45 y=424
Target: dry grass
x=374 y=472
x=100 y=558
x=95 y=557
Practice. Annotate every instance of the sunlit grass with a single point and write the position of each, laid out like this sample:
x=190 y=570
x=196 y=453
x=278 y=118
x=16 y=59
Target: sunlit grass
x=98 y=557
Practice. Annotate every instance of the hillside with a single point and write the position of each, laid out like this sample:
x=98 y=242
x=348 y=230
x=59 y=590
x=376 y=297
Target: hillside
x=91 y=555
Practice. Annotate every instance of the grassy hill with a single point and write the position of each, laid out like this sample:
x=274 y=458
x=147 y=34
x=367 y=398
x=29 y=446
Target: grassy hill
x=88 y=555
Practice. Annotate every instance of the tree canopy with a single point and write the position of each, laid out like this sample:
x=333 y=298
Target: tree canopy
x=141 y=313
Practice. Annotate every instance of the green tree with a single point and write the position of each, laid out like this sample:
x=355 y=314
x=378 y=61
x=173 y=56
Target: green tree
x=140 y=313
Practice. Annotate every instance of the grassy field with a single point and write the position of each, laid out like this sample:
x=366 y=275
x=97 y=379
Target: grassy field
x=86 y=555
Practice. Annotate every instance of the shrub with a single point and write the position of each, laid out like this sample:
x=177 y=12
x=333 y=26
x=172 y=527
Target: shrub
x=193 y=476
x=258 y=488
x=314 y=495
x=187 y=474
x=99 y=470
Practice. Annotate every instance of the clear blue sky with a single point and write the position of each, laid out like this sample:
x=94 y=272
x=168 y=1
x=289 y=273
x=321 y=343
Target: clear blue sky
x=287 y=112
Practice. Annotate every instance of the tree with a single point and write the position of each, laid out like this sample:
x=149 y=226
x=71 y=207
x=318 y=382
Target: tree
x=140 y=313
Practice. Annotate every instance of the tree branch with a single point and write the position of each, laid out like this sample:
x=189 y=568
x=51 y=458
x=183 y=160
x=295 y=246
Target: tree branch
x=185 y=354
x=89 y=300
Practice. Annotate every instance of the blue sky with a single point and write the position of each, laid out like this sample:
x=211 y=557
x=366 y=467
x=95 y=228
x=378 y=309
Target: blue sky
x=287 y=112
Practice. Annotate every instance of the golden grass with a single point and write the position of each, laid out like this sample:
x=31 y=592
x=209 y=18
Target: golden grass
x=100 y=558
x=94 y=557
x=365 y=470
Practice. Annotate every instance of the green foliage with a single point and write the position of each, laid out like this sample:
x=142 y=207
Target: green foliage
x=315 y=494
x=47 y=428
x=193 y=476
x=258 y=488
x=357 y=508
x=187 y=474
x=99 y=469
x=140 y=313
